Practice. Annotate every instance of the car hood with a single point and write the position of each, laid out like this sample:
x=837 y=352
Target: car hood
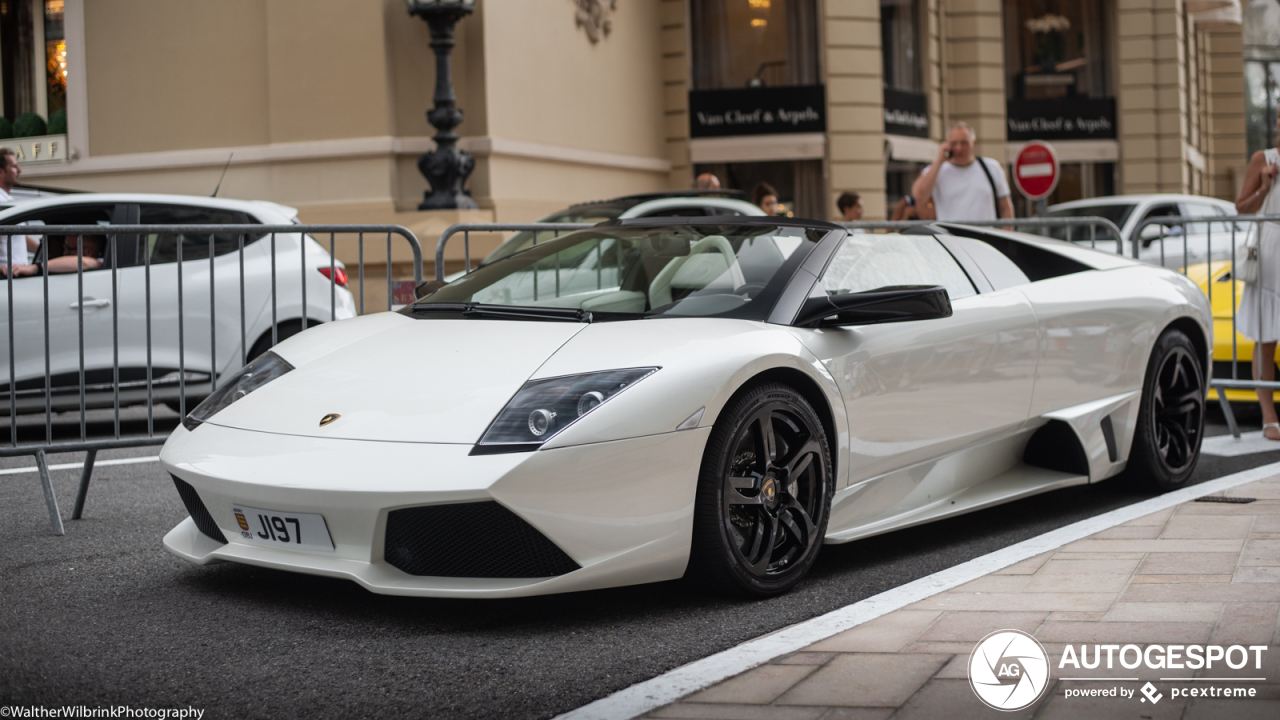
x=395 y=379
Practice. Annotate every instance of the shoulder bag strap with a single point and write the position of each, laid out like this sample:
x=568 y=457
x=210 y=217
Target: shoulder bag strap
x=982 y=163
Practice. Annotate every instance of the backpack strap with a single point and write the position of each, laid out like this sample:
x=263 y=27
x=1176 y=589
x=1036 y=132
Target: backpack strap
x=982 y=163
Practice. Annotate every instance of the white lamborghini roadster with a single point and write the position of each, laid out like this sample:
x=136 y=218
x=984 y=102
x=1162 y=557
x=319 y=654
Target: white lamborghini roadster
x=710 y=397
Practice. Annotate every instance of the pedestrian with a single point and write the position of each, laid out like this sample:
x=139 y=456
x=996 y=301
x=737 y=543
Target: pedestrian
x=14 y=249
x=765 y=198
x=850 y=206
x=905 y=209
x=707 y=181
x=1259 y=316
x=962 y=189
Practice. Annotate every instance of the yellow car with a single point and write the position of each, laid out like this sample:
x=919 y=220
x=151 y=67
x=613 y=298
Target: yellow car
x=1226 y=295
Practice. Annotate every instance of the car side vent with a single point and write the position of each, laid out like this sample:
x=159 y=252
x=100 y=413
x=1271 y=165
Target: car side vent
x=477 y=540
x=1055 y=447
x=197 y=510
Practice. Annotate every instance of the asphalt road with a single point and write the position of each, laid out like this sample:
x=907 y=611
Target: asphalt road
x=104 y=616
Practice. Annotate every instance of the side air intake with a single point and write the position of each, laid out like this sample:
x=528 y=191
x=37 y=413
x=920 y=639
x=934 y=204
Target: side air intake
x=1056 y=447
x=473 y=540
x=197 y=510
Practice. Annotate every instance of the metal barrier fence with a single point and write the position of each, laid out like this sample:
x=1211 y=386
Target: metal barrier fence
x=1087 y=227
x=1189 y=243
x=165 y=286
x=466 y=229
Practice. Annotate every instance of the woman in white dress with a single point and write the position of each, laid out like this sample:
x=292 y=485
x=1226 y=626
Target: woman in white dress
x=1259 y=315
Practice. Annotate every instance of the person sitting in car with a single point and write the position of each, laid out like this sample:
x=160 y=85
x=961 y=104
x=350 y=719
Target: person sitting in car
x=68 y=262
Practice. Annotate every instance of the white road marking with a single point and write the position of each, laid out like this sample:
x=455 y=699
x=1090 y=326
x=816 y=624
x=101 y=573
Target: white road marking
x=1248 y=444
x=651 y=694
x=68 y=466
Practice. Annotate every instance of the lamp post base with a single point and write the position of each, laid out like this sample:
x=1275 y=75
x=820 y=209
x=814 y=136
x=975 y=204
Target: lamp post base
x=446 y=169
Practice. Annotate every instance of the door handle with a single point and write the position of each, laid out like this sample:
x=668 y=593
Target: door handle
x=90 y=303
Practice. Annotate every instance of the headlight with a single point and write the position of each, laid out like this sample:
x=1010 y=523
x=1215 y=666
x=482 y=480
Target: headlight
x=266 y=368
x=543 y=408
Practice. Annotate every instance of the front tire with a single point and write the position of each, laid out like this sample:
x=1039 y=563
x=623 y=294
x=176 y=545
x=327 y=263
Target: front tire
x=764 y=495
x=1166 y=440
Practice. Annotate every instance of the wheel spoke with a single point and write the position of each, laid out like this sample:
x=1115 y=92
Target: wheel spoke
x=1179 y=443
x=796 y=510
x=802 y=531
x=768 y=438
x=801 y=459
x=1183 y=404
x=763 y=543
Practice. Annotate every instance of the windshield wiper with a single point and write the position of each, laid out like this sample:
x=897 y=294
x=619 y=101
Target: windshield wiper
x=515 y=312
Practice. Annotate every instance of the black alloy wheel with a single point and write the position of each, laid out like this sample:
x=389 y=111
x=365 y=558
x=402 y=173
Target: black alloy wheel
x=764 y=494
x=1166 y=443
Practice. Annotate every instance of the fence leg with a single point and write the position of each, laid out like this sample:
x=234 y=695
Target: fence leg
x=84 y=483
x=1226 y=411
x=49 y=498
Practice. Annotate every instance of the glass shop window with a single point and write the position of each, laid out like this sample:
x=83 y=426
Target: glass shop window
x=1057 y=48
x=33 y=68
x=754 y=43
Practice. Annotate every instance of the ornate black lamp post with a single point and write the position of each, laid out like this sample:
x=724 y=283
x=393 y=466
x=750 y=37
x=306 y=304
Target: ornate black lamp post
x=446 y=168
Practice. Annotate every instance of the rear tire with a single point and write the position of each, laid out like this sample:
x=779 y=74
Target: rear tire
x=1166 y=440
x=764 y=495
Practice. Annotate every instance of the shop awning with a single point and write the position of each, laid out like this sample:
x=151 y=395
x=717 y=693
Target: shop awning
x=910 y=149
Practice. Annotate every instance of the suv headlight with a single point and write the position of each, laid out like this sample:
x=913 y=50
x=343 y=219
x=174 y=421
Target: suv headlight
x=266 y=368
x=543 y=408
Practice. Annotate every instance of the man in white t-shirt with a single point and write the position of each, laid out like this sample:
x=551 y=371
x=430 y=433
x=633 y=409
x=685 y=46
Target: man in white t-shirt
x=960 y=188
x=13 y=248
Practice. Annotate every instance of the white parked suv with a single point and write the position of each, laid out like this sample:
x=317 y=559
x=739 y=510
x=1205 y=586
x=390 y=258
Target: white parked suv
x=115 y=319
x=1129 y=211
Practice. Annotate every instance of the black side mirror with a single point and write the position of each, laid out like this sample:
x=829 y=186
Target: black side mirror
x=889 y=304
x=428 y=287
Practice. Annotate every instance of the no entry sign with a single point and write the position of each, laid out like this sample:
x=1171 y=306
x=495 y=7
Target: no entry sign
x=1036 y=171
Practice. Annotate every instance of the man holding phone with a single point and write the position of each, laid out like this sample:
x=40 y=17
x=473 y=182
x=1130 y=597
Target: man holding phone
x=964 y=186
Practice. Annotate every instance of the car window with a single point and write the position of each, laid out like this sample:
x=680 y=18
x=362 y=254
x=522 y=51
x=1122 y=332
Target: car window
x=627 y=272
x=52 y=245
x=683 y=211
x=999 y=270
x=1116 y=213
x=1192 y=209
x=866 y=261
x=163 y=247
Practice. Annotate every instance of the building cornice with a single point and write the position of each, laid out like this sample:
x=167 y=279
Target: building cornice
x=483 y=146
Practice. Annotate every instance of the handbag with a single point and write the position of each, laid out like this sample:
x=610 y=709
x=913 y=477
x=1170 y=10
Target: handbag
x=1247 y=268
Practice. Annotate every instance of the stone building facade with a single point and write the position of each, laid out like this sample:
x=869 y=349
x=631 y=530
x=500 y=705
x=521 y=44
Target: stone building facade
x=320 y=104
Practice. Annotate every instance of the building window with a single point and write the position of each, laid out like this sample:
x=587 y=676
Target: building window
x=754 y=43
x=33 y=76
x=1261 y=72
x=1057 y=49
x=900 y=45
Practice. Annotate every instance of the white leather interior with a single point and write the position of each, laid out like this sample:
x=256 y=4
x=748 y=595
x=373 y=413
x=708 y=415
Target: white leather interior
x=697 y=270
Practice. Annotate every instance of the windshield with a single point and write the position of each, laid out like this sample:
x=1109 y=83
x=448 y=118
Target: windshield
x=625 y=273
x=1117 y=213
x=589 y=214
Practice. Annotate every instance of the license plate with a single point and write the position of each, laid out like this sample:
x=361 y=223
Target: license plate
x=304 y=531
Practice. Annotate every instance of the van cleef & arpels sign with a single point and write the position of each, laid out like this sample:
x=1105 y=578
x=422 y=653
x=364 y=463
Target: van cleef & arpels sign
x=757 y=111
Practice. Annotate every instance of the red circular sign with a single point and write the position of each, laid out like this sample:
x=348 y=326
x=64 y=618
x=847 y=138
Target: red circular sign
x=1036 y=171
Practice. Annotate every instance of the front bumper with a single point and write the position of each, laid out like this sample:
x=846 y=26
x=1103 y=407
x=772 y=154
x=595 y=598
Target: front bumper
x=621 y=510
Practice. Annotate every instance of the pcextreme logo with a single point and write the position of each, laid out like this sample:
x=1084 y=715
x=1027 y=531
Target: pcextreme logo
x=1009 y=670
